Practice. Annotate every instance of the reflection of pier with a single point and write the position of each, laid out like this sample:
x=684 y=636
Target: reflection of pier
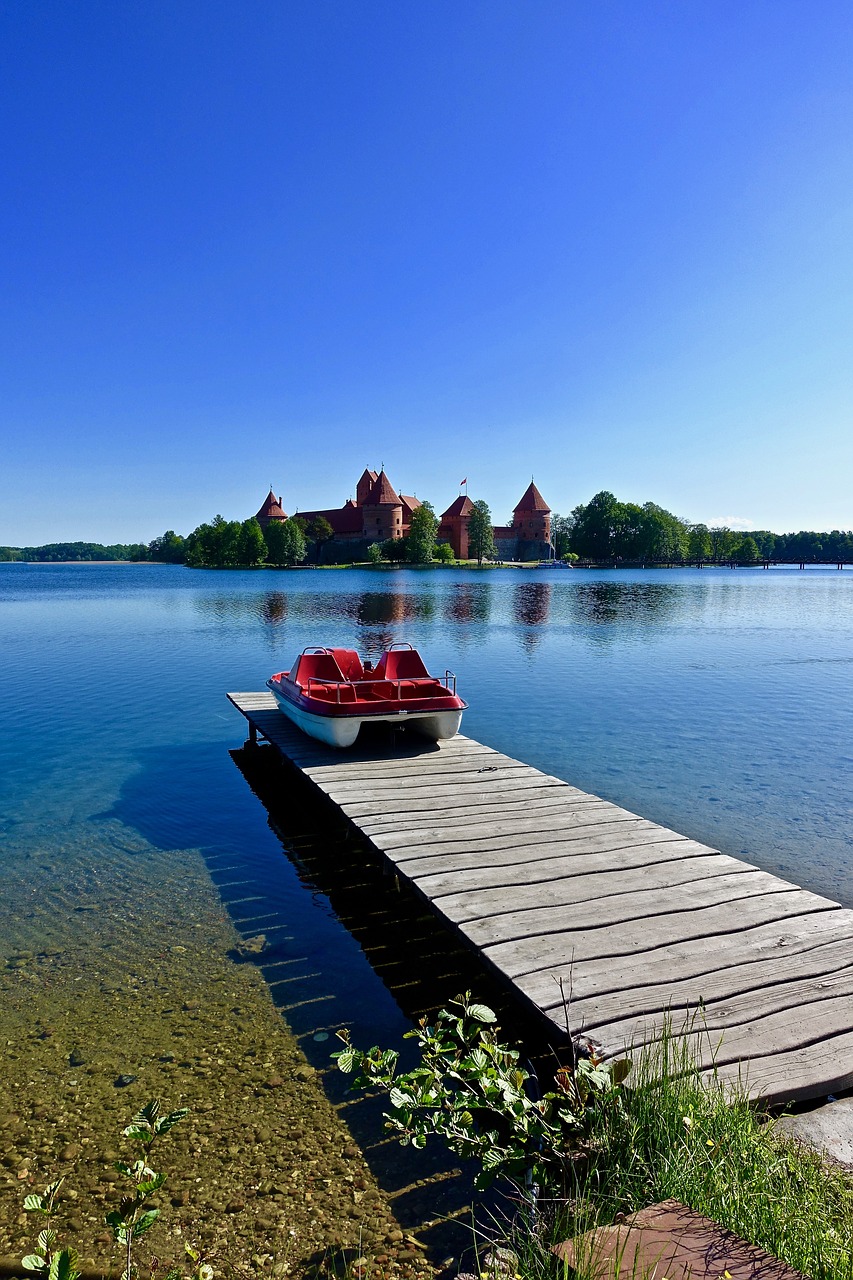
x=550 y=885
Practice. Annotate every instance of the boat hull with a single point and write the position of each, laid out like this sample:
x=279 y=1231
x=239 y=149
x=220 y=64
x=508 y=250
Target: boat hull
x=342 y=730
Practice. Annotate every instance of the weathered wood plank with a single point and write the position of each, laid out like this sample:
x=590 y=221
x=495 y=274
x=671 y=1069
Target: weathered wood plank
x=508 y=876
x=600 y=913
x=687 y=971
x=559 y=950
x=587 y=842
x=619 y=1020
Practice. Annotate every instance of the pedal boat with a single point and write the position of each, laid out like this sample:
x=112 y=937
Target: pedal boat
x=329 y=695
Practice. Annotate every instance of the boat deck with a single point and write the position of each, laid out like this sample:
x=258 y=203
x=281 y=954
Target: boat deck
x=575 y=901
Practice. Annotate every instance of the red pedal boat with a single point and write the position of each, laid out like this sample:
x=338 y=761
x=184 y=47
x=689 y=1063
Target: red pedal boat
x=330 y=695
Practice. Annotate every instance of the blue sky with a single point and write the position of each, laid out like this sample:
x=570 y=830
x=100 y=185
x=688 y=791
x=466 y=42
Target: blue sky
x=609 y=245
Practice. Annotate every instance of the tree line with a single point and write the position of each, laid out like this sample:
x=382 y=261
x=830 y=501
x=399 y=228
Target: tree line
x=604 y=530
x=609 y=531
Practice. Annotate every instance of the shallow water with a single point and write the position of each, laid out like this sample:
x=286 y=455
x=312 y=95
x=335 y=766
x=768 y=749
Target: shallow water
x=717 y=702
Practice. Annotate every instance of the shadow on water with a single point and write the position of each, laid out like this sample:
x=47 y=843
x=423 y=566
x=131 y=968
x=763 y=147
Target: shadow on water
x=606 y=607
x=346 y=946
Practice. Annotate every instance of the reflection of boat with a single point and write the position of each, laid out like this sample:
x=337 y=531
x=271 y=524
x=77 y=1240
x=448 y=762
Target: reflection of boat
x=330 y=695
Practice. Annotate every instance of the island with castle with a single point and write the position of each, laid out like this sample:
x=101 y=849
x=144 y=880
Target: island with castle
x=379 y=514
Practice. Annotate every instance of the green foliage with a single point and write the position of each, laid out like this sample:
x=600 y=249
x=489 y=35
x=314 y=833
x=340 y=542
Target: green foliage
x=133 y=1218
x=61 y=551
x=481 y=535
x=170 y=548
x=292 y=548
x=561 y=534
x=319 y=530
x=252 y=548
x=444 y=553
x=471 y=1089
x=50 y=1262
x=746 y=550
x=374 y=553
x=394 y=550
x=420 y=543
x=686 y=1134
x=698 y=542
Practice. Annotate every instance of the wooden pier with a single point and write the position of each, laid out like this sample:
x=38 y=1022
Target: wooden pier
x=638 y=924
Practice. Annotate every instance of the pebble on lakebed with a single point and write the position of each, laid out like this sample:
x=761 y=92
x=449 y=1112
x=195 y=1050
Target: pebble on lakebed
x=263 y=1173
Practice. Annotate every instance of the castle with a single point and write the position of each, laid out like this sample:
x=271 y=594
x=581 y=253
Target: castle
x=378 y=513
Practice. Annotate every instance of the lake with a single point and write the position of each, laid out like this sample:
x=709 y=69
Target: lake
x=717 y=702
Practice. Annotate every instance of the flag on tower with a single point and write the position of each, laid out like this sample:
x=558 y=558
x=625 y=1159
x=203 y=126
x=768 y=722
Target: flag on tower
x=461 y=482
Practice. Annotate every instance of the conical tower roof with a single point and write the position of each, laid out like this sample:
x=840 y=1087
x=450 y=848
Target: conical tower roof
x=532 y=500
x=383 y=493
x=271 y=508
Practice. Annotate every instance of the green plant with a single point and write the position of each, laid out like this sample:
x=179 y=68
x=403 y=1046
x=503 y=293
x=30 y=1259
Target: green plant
x=135 y=1215
x=471 y=1089
x=53 y=1263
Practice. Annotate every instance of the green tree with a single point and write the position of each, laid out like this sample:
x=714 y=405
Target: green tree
x=444 y=553
x=285 y=541
x=320 y=532
x=420 y=544
x=374 y=553
x=481 y=535
x=170 y=548
x=746 y=551
x=722 y=543
x=253 y=548
x=294 y=541
x=595 y=527
x=394 y=549
x=561 y=534
x=698 y=542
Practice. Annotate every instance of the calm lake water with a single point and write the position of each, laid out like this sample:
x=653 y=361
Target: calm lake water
x=717 y=702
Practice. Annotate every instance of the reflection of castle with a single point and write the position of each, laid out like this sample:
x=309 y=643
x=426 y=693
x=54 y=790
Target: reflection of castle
x=378 y=512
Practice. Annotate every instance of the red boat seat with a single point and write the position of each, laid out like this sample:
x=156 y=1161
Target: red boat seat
x=316 y=666
x=350 y=663
x=401 y=664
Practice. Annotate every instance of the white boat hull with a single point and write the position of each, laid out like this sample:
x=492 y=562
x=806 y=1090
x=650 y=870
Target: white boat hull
x=342 y=731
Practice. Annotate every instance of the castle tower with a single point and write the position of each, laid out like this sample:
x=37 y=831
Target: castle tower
x=531 y=519
x=454 y=525
x=271 y=511
x=362 y=489
x=382 y=510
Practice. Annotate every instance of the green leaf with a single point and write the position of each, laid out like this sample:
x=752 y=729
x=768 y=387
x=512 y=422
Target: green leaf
x=63 y=1266
x=620 y=1069
x=35 y=1204
x=168 y=1122
x=346 y=1060
x=34 y=1262
x=147 y=1220
x=482 y=1013
x=136 y=1133
x=398 y=1099
x=151 y=1184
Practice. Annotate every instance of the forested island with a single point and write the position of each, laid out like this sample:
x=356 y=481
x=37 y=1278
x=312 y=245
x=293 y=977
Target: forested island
x=603 y=532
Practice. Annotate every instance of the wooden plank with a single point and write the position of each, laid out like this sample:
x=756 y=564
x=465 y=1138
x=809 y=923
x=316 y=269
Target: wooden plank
x=787 y=1075
x=618 y=1021
x=599 y=913
x=559 y=950
x=587 y=842
x=497 y=832
x=458 y=800
x=547 y=870
x=686 y=971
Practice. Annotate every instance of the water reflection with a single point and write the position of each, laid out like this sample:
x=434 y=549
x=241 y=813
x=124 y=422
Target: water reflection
x=610 y=605
x=468 y=602
x=274 y=608
x=531 y=607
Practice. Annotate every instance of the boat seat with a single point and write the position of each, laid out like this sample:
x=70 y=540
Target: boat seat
x=402 y=664
x=349 y=663
x=316 y=666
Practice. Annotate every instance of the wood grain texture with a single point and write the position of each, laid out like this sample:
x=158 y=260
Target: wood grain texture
x=641 y=925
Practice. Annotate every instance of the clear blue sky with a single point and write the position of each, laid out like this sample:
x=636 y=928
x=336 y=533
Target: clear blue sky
x=609 y=245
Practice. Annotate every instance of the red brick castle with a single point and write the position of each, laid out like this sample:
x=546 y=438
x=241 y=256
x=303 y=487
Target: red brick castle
x=378 y=513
